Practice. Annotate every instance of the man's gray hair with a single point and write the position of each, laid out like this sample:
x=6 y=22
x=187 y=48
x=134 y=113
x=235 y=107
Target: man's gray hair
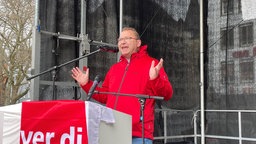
x=132 y=29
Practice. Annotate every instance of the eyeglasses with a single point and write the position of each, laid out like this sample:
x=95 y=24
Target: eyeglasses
x=126 y=38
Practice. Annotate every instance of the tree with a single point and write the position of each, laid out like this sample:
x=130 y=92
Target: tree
x=16 y=22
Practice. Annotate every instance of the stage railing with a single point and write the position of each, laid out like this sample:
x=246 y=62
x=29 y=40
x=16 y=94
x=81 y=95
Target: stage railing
x=196 y=125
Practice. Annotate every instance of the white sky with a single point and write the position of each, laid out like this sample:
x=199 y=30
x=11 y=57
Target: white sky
x=248 y=9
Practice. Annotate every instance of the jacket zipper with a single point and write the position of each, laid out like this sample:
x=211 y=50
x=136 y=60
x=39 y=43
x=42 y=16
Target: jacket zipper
x=120 y=86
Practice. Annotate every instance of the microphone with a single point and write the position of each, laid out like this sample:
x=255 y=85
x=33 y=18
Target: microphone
x=107 y=48
x=94 y=85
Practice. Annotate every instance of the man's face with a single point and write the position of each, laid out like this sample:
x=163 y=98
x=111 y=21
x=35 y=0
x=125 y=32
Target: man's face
x=128 y=43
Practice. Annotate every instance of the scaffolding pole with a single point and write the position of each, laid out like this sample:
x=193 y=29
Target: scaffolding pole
x=202 y=71
x=35 y=64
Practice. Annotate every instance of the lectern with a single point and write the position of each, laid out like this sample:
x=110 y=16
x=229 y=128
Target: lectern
x=118 y=133
x=104 y=125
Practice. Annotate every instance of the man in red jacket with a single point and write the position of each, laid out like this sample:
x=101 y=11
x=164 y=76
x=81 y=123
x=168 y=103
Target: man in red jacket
x=136 y=73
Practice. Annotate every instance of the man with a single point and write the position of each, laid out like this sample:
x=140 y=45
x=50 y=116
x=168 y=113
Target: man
x=135 y=73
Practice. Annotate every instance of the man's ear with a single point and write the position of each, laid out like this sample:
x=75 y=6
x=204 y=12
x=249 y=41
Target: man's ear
x=138 y=43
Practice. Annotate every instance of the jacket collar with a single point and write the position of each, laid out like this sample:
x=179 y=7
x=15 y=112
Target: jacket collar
x=142 y=51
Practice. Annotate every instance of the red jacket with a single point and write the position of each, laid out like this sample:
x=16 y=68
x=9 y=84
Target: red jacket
x=133 y=78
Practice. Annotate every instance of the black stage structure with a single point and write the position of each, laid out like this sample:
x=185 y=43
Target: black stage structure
x=218 y=68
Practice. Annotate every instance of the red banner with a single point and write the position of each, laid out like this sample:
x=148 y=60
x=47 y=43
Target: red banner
x=53 y=122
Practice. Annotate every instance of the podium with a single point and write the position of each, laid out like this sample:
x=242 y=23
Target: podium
x=115 y=129
x=119 y=133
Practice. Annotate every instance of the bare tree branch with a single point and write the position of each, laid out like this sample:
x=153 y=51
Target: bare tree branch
x=16 y=22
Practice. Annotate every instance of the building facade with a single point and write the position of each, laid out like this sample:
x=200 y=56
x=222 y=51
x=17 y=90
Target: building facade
x=231 y=48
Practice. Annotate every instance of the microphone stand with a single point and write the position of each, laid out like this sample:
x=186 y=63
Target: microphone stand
x=142 y=104
x=55 y=68
x=142 y=100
